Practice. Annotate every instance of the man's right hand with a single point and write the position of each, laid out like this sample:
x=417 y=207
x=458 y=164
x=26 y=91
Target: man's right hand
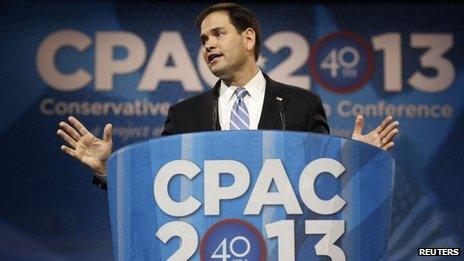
x=84 y=146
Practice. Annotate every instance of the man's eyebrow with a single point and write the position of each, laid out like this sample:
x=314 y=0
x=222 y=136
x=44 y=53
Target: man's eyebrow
x=213 y=30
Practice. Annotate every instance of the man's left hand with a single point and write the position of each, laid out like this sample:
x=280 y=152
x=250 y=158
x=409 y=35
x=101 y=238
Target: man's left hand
x=381 y=137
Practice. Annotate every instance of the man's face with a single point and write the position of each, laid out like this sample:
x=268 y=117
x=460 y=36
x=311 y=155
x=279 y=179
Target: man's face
x=224 y=49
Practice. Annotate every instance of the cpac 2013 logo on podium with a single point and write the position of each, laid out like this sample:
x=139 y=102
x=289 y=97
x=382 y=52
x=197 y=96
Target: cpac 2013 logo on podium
x=250 y=195
x=228 y=235
x=235 y=239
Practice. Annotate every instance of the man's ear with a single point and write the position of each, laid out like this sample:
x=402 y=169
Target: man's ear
x=249 y=38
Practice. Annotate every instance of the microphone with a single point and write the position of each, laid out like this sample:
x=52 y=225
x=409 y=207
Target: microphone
x=215 y=109
x=281 y=111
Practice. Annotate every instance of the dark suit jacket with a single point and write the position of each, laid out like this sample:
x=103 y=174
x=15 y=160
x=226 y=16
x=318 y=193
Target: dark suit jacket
x=302 y=111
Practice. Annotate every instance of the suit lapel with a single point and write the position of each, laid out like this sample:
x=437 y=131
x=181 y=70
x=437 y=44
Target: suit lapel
x=270 y=115
x=208 y=108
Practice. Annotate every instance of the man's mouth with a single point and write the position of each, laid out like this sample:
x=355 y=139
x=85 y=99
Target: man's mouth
x=212 y=58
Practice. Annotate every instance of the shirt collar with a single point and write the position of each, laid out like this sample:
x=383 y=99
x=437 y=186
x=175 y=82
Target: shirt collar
x=255 y=87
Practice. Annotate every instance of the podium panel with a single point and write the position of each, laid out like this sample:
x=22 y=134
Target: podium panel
x=250 y=195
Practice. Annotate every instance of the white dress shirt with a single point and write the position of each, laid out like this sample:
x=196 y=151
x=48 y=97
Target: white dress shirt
x=253 y=101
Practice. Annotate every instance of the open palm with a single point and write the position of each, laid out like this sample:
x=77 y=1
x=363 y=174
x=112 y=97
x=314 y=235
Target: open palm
x=380 y=137
x=84 y=146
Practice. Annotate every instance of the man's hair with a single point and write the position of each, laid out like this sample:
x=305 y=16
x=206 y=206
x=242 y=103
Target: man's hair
x=240 y=17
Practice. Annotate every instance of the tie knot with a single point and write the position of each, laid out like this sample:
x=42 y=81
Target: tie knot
x=241 y=92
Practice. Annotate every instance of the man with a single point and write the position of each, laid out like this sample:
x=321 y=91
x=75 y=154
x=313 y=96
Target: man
x=243 y=98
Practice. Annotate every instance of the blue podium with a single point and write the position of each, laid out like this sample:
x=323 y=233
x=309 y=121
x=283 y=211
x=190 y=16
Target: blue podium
x=250 y=195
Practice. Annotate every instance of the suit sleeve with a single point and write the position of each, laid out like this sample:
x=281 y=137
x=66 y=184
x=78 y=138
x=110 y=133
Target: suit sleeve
x=100 y=181
x=169 y=127
x=317 y=121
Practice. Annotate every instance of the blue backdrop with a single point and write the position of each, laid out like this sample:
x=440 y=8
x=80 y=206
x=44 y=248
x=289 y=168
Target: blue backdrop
x=125 y=63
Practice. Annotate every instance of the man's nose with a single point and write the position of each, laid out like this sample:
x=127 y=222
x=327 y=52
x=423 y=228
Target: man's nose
x=210 y=44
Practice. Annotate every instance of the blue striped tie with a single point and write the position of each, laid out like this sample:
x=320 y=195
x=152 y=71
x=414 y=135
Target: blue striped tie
x=239 y=118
